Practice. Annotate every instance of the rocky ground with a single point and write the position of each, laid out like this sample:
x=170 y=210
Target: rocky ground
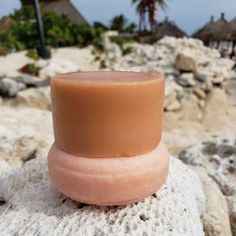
x=200 y=105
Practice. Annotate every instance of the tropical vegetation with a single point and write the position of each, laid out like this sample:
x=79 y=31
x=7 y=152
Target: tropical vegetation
x=121 y=24
x=59 y=31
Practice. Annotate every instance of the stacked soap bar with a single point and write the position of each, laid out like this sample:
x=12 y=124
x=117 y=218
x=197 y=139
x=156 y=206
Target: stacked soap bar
x=108 y=127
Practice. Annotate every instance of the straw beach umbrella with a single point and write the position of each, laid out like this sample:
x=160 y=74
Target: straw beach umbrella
x=232 y=27
x=5 y=22
x=220 y=30
x=204 y=33
x=62 y=7
x=169 y=28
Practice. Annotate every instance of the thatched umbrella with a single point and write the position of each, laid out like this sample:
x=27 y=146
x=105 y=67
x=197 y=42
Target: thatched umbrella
x=5 y=22
x=168 y=28
x=220 y=30
x=232 y=27
x=62 y=7
x=204 y=33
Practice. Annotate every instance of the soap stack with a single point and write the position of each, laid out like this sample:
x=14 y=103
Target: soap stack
x=107 y=128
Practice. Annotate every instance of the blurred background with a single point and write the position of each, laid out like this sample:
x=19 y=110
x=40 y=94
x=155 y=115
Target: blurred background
x=193 y=43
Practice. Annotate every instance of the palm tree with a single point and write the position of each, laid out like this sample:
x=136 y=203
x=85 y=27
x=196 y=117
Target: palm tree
x=150 y=7
x=141 y=10
x=119 y=23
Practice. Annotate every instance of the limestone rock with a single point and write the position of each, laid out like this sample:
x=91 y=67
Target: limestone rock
x=215 y=219
x=9 y=87
x=24 y=134
x=201 y=103
x=15 y=150
x=27 y=79
x=170 y=56
x=173 y=95
x=33 y=206
x=7 y=138
x=112 y=51
x=230 y=91
x=216 y=109
x=186 y=80
x=58 y=66
x=35 y=97
x=174 y=106
x=172 y=87
x=4 y=167
x=199 y=92
x=232 y=75
x=204 y=74
x=232 y=212
x=218 y=80
x=190 y=108
x=186 y=61
x=218 y=157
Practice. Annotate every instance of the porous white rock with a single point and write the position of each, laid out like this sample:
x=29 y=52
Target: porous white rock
x=10 y=87
x=186 y=60
x=4 y=167
x=215 y=219
x=232 y=211
x=113 y=51
x=230 y=87
x=218 y=157
x=170 y=56
x=199 y=93
x=24 y=133
x=58 y=66
x=32 y=206
x=186 y=80
x=26 y=79
x=173 y=93
x=35 y=97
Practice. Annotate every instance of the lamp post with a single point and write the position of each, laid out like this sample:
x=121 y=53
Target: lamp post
x=42 y=50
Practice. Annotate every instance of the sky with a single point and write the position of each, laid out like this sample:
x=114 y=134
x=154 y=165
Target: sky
x=188 y=14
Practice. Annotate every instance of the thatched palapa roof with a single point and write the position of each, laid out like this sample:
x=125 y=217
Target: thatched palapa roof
x=232 y=27
x=62 y=7
x=204 y=33
x=215 y=31
x=5 y=22
x=220 y=29
x=169 y=28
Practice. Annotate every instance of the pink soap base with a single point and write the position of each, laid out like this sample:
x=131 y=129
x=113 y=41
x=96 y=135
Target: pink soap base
x=108 y=181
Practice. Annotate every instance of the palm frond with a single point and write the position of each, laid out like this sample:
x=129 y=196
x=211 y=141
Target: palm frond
x=162 y=4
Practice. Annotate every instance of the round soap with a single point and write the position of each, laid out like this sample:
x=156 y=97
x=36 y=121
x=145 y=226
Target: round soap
x=107 y=114
x=108 y=181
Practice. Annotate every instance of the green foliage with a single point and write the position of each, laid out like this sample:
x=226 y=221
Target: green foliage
x=121 y=24
x=59 y=31
x=127 y=50
x=3 y=50
x=121 y=41
x=100 y=26
x=31 y=69
x=32 y=53
x=131 y=28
